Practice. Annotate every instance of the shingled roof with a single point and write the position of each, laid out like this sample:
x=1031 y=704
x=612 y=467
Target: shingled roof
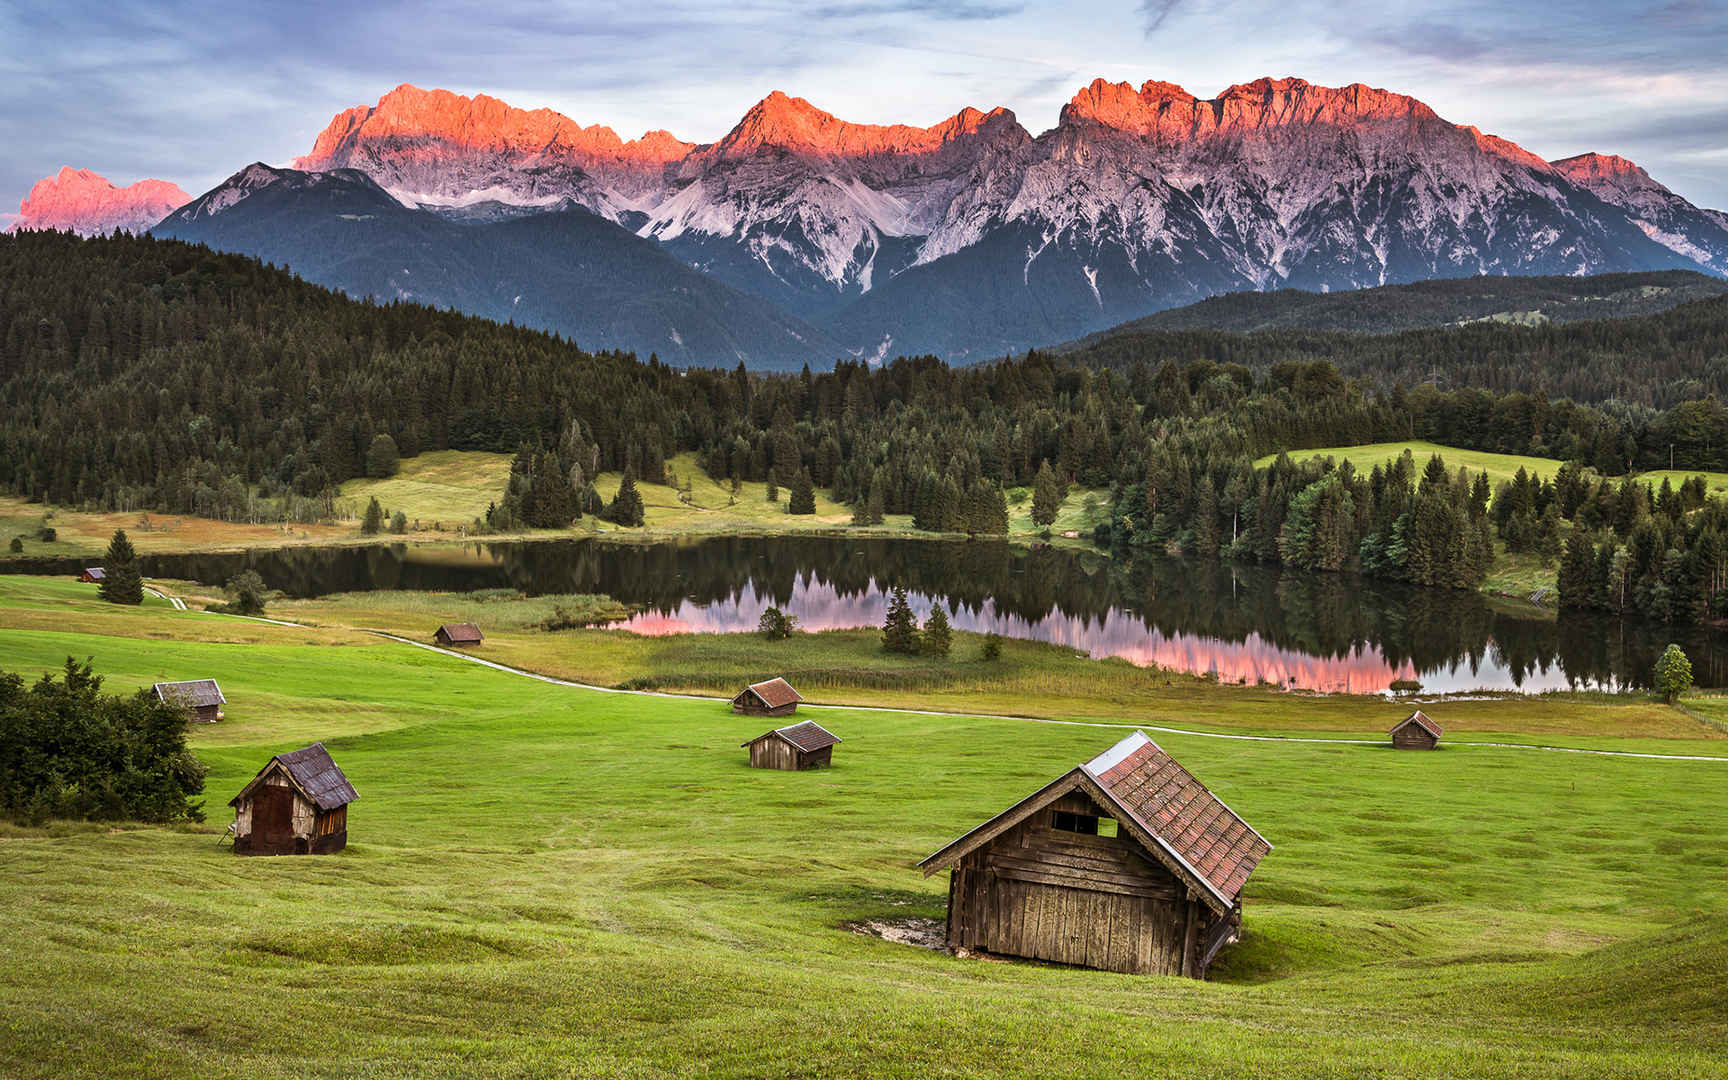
x=1421 y=720
x=775 y=693
x=196 y=694
x=1161 y=804
x=314 y=773
x=465 y=633
x=96 y=573
x=807 y=736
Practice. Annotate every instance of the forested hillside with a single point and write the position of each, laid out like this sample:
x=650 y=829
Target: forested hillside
x=149 y=374
x=1388 y=309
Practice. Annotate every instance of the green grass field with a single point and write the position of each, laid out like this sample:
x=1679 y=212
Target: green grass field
x=449 y=487
x=544 y=881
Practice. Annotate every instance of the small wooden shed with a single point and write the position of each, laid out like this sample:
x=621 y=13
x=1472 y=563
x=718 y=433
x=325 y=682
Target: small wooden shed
x=94 y=575
x=202 y=698
x=296 y=805
x=802 y=746
x=772 y=698
x=1416 y=732
x=458 y=634
x=1125 y=863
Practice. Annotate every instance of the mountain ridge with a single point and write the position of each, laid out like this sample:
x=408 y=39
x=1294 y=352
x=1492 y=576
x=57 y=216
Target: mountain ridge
x=87 y=203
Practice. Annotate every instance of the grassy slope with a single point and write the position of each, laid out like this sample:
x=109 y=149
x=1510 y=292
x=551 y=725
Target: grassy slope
x=442 y=492
x=545 y=881
x=1498 y=466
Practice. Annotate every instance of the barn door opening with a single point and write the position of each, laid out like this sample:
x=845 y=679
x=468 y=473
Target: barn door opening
x=273 y=818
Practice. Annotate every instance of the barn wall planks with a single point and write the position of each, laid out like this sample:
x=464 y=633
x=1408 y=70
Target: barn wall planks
x=1050 y=894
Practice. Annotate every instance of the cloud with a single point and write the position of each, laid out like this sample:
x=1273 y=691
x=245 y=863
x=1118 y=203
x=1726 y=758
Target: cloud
x=1154 y=12
x=932 y=9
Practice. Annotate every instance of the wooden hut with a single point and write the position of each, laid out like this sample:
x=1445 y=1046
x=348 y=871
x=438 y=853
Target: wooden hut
x=296 y=805
x=458 y=634
x=94 y=575
x=772 y=698
x=1416 y=732
x=202 y=698
x=1126 y=863
x=802 y=746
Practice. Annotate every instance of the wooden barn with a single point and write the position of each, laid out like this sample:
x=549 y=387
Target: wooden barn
x=1416 y=732
x=1126 y=863
x=772 y=698
x=802 y=746
x=94 y=575
x=296 y=805
x=202 y=698
x=458 y=634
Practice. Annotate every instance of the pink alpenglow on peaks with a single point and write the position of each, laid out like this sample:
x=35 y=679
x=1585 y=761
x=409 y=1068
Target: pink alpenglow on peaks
x=84 y=202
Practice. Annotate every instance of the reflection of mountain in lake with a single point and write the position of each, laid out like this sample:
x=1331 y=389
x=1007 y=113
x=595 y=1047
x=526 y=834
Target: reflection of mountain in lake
x=1252 y=623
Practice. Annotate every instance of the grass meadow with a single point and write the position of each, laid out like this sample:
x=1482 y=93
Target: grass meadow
x=544 y=881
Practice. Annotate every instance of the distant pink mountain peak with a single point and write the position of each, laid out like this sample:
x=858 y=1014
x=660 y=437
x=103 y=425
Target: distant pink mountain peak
x=439 y=119
x=1595 y=171
x=791 y=123
x=86 y=203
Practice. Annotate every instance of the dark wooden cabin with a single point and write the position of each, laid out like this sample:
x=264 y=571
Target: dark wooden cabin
x=1126 y=863
x=296 y=805
x=772 y=698
x=93 y=574
x=1416 y=732
x=802 y=746
x=458 y=634
x=202 y=698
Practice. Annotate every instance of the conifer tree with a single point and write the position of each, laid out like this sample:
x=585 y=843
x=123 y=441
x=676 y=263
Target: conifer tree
x=874 y=513
x=627 y=507
x=121 y=582
x=938 y=636
x=374 y=519
x=383 y=459
x=900 y=628
x=802 y=496
x=1046 y=496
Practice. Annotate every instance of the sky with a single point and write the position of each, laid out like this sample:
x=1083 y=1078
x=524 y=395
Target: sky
x=191 y=91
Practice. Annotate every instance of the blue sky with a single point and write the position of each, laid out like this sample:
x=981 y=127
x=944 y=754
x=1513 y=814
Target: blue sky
x=190 y=90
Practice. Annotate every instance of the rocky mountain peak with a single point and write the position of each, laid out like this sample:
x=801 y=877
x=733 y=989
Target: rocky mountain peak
x=86 y=203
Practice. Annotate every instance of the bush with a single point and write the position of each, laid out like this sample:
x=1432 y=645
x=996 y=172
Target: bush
x=399 y=523
x=383 y=460
x=69 y=751
x=17 y=545
x=776 y=625
x=247 y=594
x=992 y=647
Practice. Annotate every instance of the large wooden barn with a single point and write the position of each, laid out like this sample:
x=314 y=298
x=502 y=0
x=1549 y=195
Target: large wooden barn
x=774 y=697
x=1126 y=863
x=201 y=698
x=461 y=633
x=1416 y=732
x=802 y=746
x=296 y=805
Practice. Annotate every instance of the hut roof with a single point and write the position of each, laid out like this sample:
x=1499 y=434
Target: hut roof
x=462 y=631
x=775 y=693
x=1421 y=720
x=96 y=573
x=807 y=736
x=196 y=694
x=1172 y=814
x=314 y=773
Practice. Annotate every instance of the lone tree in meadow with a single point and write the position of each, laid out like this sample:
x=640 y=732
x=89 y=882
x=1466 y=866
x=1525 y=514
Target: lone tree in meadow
x=374 y=519
x=383 y=459
x=938 y=636
x=776 y=625
x=122 y=584
x=627 y=507
x=1046 y=496
x=247 y=593
x=801 y=498
x=1673 y=673
x=900 y=628
x=991 y=650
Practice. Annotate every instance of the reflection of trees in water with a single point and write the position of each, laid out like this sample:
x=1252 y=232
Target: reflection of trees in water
x=1329 y=616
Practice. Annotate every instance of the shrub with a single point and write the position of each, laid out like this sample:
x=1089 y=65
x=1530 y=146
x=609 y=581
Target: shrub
x=1673 y=673
x=776 y=625
x=17 y=545
x=991 y=650
x=383 y=459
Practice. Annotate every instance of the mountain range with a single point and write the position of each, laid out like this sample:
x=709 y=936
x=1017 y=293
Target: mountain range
x=969 y=238
x=80 y=201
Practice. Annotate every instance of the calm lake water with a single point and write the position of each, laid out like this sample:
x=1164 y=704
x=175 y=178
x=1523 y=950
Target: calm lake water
x=1324 y=632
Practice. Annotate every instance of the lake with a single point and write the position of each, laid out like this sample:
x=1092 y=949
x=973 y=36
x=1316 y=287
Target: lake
x=1309 y=631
